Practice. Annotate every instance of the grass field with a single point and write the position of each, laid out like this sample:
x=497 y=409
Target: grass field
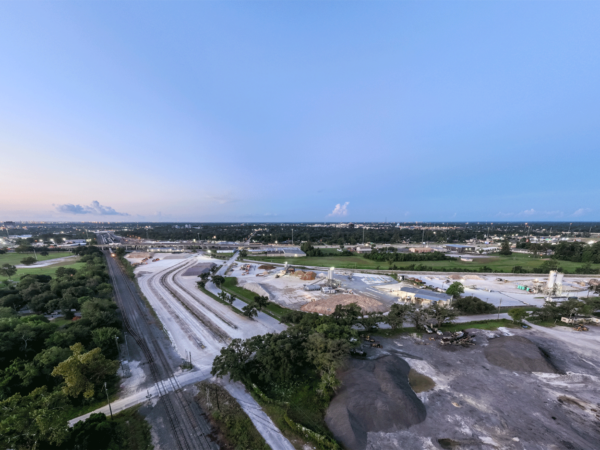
x=482 y=325
x=496 y=263
x=15 y=258
x=48 y=270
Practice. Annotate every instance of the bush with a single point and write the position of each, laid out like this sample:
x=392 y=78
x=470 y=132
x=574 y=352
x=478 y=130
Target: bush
x=28 y=261
x=233 y=423
x=473 y=305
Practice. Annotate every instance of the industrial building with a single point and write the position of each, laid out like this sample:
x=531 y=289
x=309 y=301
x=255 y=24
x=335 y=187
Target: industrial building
x=414 y=295
x=421 y=250
x=460 y=248
x=423 y=297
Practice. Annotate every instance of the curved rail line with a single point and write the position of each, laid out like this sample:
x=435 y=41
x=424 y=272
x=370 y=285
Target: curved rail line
x=188 y=432
x=212 y=327
x=199 y=300
x=182 y=324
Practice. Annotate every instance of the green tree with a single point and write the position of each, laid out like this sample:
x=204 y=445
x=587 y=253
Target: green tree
x=505 y=248
x=230 y=299
x=44 y=253
x=250 y=310
x=370 y=320
x=28 y=422
x=261 y=301
x=49 y=358
x=7 y=270
x=201 y=284
x=28 y=261
x=472 y=305
x=326 y=355
x=232 y=360
x=517 y=314
x=105 y=339
x=243 y=253
x=455 y=289
x=83 y=372
x=441 y=314
x=347 y=314
x=419 y=317
x=218 y=280
x=397 y=315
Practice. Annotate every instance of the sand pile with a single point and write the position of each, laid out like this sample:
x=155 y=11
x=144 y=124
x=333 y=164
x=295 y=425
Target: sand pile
x=298 y=273
x=472 y=277
x=266 y=267
x=594 y=282
x=327 y=305
x=518 y=354
x=308 y=276
x=375 y=397
x=134 y=255
x=455 y=277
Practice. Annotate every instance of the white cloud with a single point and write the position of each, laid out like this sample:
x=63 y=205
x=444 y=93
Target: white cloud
x=223 y=198
x=582 y=212
x=339 y=210
x=94 y=208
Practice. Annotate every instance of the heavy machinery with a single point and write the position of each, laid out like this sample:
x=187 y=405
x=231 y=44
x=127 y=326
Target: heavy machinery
x=581 y=328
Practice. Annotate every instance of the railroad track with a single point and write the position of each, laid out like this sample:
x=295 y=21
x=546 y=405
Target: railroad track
x=198 y=299
x=189 y=433
x=217 y=332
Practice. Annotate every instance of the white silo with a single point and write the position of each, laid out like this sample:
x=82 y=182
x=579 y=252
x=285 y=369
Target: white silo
x=330 y=273
x=559 y=278
x=551 y=279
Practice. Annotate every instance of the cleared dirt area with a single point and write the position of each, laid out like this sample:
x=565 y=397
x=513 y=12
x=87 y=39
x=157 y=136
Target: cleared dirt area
x=536 y=390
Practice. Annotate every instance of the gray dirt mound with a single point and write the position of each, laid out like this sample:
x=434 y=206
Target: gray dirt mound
x=518 y=354
x=375 y=397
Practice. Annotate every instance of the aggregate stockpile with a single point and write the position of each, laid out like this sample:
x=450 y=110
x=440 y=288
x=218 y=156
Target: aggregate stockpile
x=375 y=397
x=518 y=354
x=327 y=306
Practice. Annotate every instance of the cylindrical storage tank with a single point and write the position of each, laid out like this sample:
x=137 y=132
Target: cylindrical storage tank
x=551 y=279
x=559 y=278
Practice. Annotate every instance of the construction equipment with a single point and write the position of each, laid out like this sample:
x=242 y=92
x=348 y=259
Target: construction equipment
x=581 y=328
x=459 y=338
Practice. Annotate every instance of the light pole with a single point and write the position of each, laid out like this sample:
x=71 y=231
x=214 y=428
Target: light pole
x=499 y=308
x=108 y=400
x=119 y=352
x=127 y=346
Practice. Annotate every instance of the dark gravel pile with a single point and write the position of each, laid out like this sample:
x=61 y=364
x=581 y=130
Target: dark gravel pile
x=518 y=354
x=375 y=397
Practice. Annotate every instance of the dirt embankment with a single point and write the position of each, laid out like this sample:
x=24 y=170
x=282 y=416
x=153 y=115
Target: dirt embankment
x=375 y=397
x=518 y=354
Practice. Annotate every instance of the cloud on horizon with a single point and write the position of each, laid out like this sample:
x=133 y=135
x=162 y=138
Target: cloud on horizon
x=582 y=212
x=339 y=210
x=94 y=208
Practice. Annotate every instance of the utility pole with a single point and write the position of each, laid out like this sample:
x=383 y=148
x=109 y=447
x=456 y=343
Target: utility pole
x=119 y=353
x=127 y=346
x=499 y=308
x=108 y=400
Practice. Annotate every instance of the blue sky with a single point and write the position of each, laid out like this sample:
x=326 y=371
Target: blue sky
x=300 y=111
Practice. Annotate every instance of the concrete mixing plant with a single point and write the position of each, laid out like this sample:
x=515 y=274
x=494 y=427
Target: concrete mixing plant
x=554 y=285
